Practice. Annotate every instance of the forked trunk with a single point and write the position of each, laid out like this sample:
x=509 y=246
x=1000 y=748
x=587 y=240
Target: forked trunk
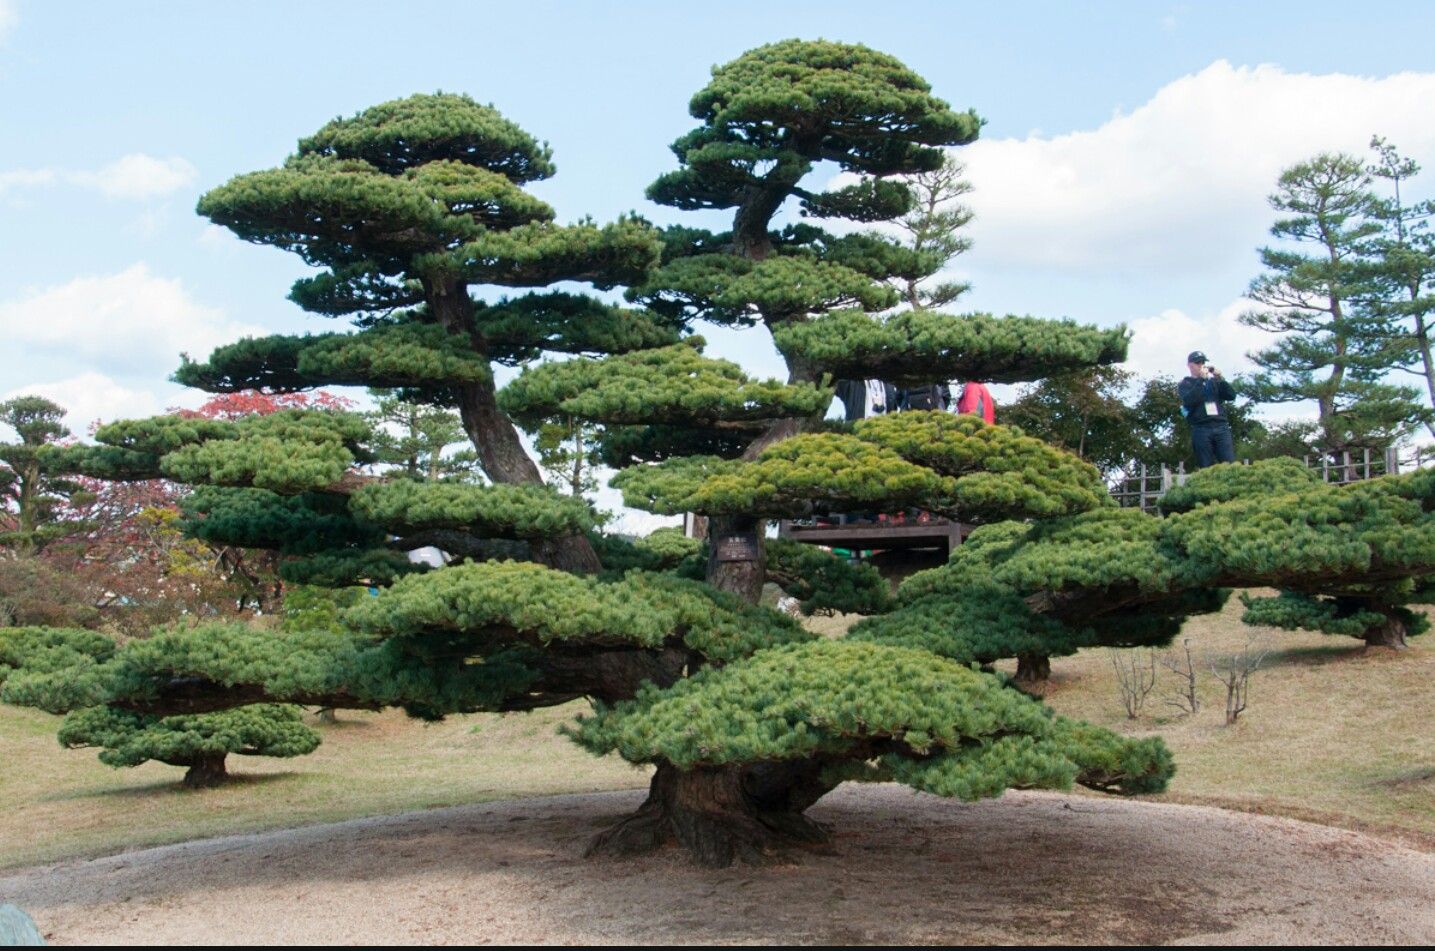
x=206 y=771
x=721 y=815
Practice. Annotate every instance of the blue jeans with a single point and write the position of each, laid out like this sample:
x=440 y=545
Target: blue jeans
x=1212 y=443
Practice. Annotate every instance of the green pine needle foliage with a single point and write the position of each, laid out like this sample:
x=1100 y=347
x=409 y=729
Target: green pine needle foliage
x=492 y=511
x=676 y=384
x=844 y=700
x=126 y=738
x=919 y=346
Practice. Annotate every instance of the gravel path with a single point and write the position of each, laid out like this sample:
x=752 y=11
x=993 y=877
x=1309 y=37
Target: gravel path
x=903 y=868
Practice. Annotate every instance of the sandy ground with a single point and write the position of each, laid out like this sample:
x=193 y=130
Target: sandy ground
x=902 y=868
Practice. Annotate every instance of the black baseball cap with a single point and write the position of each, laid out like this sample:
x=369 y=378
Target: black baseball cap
x=1196 y=357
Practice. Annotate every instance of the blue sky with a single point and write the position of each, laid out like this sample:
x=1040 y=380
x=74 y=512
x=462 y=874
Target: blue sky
x=1120 y=178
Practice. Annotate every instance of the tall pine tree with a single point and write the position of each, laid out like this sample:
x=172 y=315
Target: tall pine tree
x=1337 y=343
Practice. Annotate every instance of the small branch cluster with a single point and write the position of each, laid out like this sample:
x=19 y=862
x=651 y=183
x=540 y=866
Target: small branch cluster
x=1183 y=665
x=1234 y=672
x=1135 y=677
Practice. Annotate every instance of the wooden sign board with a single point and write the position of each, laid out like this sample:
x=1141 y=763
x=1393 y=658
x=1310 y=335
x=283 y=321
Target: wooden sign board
x=737 y=547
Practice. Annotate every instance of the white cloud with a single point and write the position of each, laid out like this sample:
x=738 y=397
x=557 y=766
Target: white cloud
x=91 y=397
x=22 y=178
x=1181 y=181
x=133 y=322
x=1160 y=344
x=133 y=177
x=9 y=16
x=139 y=176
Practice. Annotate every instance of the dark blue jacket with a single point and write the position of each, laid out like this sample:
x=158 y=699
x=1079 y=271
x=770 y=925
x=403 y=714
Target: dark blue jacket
x=1196 y=393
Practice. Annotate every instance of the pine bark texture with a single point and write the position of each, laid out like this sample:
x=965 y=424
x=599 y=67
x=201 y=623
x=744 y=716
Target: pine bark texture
x=720 y=815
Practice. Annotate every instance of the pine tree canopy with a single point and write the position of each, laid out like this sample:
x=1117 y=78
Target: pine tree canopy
x=946 y=464
x=919 y=346
x=675 y=384
x=127 y=738
x=1119 y=577
x=929 y=722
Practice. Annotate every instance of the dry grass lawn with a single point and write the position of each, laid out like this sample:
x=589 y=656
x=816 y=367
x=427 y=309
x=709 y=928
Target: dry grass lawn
x=1331 y=735
x=62 y=804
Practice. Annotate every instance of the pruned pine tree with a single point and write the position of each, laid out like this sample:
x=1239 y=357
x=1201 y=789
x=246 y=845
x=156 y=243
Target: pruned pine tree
x=64 y=671
x=406 y=206
x=765 y=122
x=746 y=717
x=1375 y=605
x=1347 y=559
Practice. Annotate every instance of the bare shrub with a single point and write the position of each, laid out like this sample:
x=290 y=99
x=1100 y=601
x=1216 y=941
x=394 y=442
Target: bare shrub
x=1234 y=671
x=1135 y=677
x=1183 y=665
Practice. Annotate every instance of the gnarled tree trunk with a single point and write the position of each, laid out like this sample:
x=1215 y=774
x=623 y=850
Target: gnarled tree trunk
x=1389 y=634
x=736 y=556
x=206 y=771
x=1032 y=668
x=721 y=814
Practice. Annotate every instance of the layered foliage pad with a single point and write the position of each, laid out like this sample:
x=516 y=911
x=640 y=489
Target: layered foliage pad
x=39 y=663
x=305 y=524
x=1349 y=616
x=953 y=465
x=126 y=738
x=1347 y=557
x=1227 y=481
x=804 y=474
x=676 y=384
x=413 y=352
x=406 y=354
x=287 y=452
x=929 y=722
x=1000 y=472
x=424 y=189
x=918 y=346
x=498 y=604
x=491 y=511
x=725 y=289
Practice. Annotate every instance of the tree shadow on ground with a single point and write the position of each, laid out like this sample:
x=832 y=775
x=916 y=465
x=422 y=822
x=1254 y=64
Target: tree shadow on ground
x=172 y=786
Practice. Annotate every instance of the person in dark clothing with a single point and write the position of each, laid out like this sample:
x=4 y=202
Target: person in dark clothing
x=1203 y=395
x=931 y=396
x=864 y=398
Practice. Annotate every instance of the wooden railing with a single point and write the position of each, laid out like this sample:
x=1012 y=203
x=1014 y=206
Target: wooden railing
x=1140 y=485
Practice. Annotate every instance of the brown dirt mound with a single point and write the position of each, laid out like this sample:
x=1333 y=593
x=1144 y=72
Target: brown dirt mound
x=903 y=868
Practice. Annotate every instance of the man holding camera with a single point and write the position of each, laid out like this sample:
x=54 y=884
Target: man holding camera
x=1203 y=394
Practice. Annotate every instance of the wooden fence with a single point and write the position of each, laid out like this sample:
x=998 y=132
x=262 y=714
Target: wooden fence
x=1140 y=485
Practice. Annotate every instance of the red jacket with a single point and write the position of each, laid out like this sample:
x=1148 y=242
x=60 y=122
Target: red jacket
x=977 y=400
